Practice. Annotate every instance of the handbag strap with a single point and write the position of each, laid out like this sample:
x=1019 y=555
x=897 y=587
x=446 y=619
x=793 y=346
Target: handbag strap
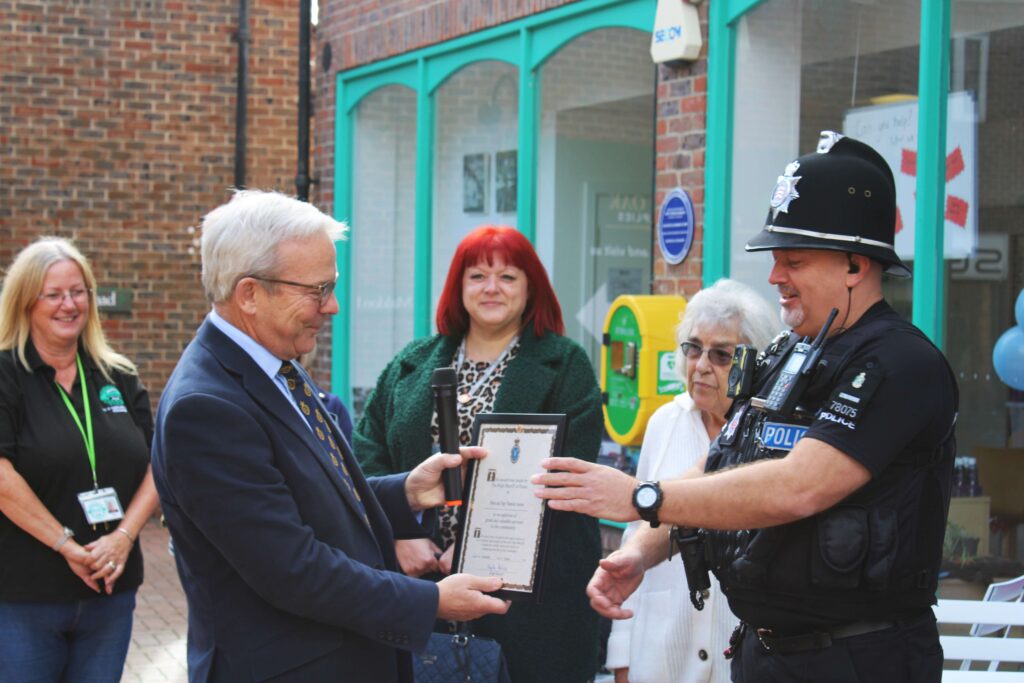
x=460 y=644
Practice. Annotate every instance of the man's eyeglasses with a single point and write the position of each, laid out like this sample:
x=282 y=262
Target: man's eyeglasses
x=323 y=290
x=78 y=296
x=693 y=351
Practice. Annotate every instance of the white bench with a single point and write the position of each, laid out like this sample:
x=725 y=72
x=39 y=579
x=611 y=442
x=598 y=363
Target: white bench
x=1005 y=649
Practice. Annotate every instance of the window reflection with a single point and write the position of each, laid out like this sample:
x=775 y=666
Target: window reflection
x=475 y=156
x=383 y=226
x=594 y=177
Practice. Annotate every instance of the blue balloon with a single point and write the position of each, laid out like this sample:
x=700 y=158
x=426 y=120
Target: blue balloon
x=1008 y=357
x=1018 y=309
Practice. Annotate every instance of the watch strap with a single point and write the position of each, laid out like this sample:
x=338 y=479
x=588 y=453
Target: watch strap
x=66 y=533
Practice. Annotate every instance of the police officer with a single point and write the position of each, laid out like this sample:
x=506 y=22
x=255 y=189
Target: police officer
x=825 y=515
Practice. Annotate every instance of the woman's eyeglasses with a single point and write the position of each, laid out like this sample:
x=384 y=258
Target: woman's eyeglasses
x=693 y=351
x=57 y=298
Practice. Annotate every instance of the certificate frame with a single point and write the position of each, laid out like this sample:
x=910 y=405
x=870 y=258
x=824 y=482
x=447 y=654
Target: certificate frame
x=503 y=526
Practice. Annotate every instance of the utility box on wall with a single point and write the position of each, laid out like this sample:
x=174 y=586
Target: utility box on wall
x=638 y=353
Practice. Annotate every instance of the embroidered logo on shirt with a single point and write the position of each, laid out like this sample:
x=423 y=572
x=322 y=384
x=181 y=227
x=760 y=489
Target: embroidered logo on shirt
x=855 y=390
x=111 y=397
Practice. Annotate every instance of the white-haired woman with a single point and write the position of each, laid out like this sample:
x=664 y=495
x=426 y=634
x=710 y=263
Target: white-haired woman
x=666 y=640
x=75 y=483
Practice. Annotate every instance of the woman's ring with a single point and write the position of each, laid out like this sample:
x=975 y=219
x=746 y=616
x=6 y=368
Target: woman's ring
x=113 y=567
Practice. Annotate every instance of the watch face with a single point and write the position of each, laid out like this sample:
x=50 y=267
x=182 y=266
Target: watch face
x=646 y=496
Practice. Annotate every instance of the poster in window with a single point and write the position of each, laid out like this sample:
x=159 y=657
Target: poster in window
x=474 y=183
x=505 y=181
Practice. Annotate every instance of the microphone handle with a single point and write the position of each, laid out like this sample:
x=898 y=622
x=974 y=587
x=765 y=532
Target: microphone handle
x=448 y=438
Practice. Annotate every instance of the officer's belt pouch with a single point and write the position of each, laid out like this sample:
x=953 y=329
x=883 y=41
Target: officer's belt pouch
x=842 y=547
x=751 y=568
x=856 y=548
x=882 y=548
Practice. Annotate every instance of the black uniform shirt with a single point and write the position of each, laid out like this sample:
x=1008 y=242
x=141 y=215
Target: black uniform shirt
x=40 y=438
x=889 y=404
x=895 y=396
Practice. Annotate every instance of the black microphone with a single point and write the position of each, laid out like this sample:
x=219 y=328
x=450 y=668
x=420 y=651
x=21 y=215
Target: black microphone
x=444 y=383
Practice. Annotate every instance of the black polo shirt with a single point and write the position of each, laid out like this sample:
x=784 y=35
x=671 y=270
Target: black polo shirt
x=40 y=438
x=895 y=396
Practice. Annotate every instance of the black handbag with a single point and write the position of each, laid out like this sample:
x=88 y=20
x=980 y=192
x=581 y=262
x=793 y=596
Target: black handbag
x=458 y=658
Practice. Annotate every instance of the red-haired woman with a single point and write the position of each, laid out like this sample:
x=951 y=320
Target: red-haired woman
x=500 y=327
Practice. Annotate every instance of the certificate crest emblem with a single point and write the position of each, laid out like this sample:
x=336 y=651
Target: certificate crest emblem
x=785 y=189
x=858 y=381
x=514 y=454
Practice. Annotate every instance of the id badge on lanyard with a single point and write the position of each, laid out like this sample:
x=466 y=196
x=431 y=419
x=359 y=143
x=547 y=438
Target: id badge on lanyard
x=99 y=505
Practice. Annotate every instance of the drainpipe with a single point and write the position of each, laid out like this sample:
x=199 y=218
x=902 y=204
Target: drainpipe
x=302 y=179
x=243 y=38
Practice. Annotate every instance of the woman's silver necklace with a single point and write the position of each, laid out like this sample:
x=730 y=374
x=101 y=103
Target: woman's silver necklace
x=472 y=391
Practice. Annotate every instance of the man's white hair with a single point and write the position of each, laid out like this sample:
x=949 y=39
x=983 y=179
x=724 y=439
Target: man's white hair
x=240 y=238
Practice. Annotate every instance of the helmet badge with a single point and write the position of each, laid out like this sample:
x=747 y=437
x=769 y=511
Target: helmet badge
x=785 y=190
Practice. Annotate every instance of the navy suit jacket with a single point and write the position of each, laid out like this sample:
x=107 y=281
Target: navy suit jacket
x=285 y=580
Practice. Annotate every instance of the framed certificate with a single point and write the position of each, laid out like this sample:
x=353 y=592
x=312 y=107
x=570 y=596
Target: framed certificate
x=503 y=527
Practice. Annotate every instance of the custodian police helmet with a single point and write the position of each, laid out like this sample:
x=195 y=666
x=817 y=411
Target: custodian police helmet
x=841 y=197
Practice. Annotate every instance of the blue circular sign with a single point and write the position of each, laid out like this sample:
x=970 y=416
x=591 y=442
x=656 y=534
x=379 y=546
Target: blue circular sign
x=675 y=226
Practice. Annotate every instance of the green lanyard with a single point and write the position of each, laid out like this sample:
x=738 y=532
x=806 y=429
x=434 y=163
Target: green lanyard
x=90 y=446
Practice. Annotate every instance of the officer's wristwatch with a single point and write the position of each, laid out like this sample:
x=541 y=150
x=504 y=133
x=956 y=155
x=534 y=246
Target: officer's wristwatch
x=647 y=499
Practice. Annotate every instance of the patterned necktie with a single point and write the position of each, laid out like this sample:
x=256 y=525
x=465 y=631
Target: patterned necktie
x=302 y=392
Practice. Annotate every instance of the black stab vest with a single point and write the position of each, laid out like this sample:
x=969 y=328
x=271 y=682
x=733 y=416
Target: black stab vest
x=874 y=555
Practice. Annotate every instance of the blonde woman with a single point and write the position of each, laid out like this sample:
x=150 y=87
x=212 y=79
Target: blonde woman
x=75 y=482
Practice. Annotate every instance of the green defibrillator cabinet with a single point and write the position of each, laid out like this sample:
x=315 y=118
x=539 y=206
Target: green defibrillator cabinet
x=638 y=354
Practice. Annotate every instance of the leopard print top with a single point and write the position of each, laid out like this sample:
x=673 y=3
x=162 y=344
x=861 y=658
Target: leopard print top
x=482 y=402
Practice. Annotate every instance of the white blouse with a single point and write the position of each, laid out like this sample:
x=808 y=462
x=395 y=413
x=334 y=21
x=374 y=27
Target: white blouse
x=667 y=640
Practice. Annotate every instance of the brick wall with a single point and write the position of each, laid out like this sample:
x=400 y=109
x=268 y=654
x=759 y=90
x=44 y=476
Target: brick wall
x=117 y=130
x=681 y=123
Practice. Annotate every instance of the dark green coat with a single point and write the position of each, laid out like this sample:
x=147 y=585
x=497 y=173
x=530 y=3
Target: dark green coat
x=555 y=642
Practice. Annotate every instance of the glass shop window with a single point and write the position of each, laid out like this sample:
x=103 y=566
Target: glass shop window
x=383 y=207
x=803 y=66
x=595 y=156
x=984 y=266
x=476 y=143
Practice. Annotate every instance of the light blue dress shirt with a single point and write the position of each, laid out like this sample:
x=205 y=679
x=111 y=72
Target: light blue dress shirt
x=268 y=362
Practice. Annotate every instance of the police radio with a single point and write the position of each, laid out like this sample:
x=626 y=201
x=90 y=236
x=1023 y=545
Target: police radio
x=695 y=564
x=796 y=374
x=741 y=374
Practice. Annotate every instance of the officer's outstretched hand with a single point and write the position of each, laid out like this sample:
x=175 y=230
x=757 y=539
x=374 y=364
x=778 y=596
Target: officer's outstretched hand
x=581 y=486
x=617 y=576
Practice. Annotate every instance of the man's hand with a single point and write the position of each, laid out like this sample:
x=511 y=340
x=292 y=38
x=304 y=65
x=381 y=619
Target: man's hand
x=417 y=556
x=423 y=485
x=617 y=576
x=461 y=597
x=444 y=562
x=594 y=490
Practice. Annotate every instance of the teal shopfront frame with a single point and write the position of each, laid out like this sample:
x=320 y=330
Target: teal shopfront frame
x=933 y=86
x=526 y=44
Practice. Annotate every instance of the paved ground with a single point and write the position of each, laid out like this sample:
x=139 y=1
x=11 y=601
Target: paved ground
x=157 y=652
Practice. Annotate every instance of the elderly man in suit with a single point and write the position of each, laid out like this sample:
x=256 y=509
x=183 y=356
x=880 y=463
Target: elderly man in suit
x=285 y=551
